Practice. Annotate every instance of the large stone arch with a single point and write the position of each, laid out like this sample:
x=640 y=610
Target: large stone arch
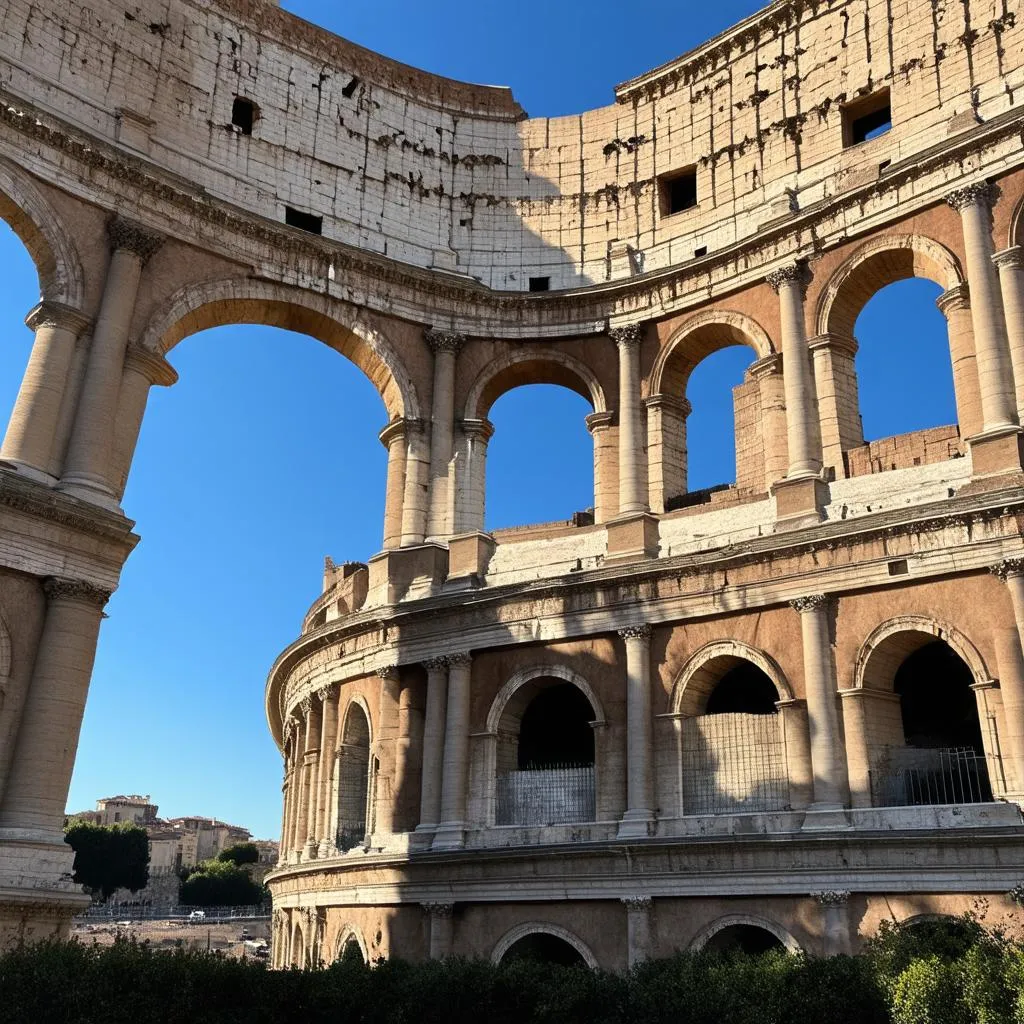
x=877 y=263
x=701 y=939
x=532 y=366
x=702 y=671
x=521 y=931
x=697 y=338
x=890 y=643
x=31 y=217
x=247 y=300
x=351 y=933
x=527 y=675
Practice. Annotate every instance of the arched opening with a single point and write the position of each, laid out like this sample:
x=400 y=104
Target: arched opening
x=350 y=949
x=298 y=958
x=934 y=751
x=750 y=939
x=544 y=948
x=540 y=461
x=355 y=780
x=719 y=400
x=545 y=761
x=731 y=741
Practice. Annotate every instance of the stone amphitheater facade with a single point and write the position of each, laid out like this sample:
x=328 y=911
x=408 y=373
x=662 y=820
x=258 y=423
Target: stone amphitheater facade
x=783 y=711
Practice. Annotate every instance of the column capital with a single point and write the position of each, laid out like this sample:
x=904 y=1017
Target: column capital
x=792 y=273
x=810 y=603
x=637 y=903
x=641 y=632
x=832 y=897
x=394 y=431
x=444 y=341
x=458 y=658
x=129 y=236
x=627 y=336
x=598 y=420
x=437 y=909
x=955 y=299
x=677 y=404
x=477 y=429
x=60 y=588
x=433 y=664
x=1012 y=257
x=306 y=704
x=325 y=693
x=1007 y=568
x=151 y=365
x=979 y=193
x=835 y=343
x=56 y=314
x=769 y=366
x=387 y=672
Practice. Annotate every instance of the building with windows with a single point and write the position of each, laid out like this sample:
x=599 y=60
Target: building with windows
x=778 y=711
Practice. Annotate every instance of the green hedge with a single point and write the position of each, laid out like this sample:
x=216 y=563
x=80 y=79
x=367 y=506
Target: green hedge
x=915 y=975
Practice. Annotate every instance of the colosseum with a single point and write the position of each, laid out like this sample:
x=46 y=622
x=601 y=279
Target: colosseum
x=774 y=713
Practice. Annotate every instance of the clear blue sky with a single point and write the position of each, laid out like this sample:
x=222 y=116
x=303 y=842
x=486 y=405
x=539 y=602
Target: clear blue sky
x=264 y=457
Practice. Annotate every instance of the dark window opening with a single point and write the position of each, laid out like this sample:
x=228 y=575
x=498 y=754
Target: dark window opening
x=540 y=284
x=350 y=88
x=678 y=191
x=243 y=114
x=744 y=690
x=306 y=221
x=867 y=118
x=555 y=730
x=899 y=567
x=543 y=948
x=744 y=938
x=702 y=251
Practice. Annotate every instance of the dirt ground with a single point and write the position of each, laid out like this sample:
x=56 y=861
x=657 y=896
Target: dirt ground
x=225 y=937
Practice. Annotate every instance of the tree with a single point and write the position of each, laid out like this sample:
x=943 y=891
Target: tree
x=239 y=854
x=109 y=857
x=218 y=883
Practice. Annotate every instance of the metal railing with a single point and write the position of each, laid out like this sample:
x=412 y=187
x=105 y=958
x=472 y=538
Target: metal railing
x=920 y=776
x=142 y=912
x=546 y=796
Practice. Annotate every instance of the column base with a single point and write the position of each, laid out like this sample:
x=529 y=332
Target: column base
x=468 y=557
x=326 y=849
x=826 y=818
x=636 y=824
x=312 y=849
x=799 y=501
x=632 y=537
x=421 y=838
x=29 y=472
x=401 y=573
x=450 y=835
x=89 y=488
x=996 y=453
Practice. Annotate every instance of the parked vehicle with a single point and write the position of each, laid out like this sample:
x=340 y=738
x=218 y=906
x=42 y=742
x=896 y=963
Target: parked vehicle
x=197 y=917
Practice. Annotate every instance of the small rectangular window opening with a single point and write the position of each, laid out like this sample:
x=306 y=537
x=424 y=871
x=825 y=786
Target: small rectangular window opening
x=702 y=251
x=540 y=284
x=678 y=191
x=243 y=114
x=306 y=221
x=867 y=118
x=899 y=567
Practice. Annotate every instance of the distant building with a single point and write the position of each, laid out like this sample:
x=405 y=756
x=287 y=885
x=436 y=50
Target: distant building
x=112 y=810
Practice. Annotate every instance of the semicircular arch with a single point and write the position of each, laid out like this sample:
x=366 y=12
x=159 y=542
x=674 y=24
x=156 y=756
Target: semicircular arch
x=877 y=263
x=891 y=643
x=697 y=677
x=521 y=931
x=248 y=300
x=358 y=701
x=532 y=366
x=697 y=338
x=528 y=675
x=34 y=220
x=350 y=933
x=709 y=931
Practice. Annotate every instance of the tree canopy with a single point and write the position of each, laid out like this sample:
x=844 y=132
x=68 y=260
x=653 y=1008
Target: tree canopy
x=109 y=857
x=219 y=883
x=240 y=853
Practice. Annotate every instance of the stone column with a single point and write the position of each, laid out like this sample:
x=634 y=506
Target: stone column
x=772 y=391
x=142 y=370
x=639 y=816
x=835 y=384
x=314 y=715
x=471 y=477
x=451 y=832
x=417 y=469
x=666 y=449
x=606 y=470
x=393 y=439
x=328 y=730
x=858 y=750
x=69 y=404
x=335 y=781
x=822 y=713
x=32 y=430
x=1010 y=263
x=1011 y=672
x=445 y=346
x=440 y=928
x=44 y=753
x=955 y=306
x=995 y=372
x=87 y=472
x=390 y=685
x=836 y=937
x=631 y=448
x=302 y=778
x=638 y=928
x=403 y=753
x=433 y=744
x=789 y=283
x=798 y=752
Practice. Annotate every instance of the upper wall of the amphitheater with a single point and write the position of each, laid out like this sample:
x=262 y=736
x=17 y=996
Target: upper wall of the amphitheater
x=439 y=174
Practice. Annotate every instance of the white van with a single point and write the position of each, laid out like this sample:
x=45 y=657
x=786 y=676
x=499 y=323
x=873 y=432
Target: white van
x=197 y=917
